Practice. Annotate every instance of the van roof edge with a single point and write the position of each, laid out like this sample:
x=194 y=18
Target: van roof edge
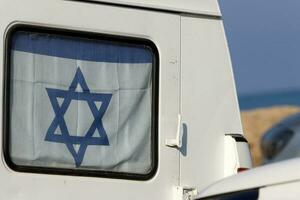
x=203 y=7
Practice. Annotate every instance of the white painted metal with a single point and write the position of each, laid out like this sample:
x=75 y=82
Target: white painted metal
x=206 y=7
x=287 y=191
x=231 y=157
x=196 y=83
x=264 y=176
x=237 y=155
x=244 y=156
x=163 y=30
x=176 y=142
x=209 y=103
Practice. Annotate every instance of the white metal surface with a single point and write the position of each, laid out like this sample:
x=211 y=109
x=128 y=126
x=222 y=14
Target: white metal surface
x=177 y=141
x=209 y=103
x=244 y=156
x=268 y=175
x=230 y=156
x=163 y=30
x=287 y=191
x=237 y=155
x=206 y=7
x=195 y=82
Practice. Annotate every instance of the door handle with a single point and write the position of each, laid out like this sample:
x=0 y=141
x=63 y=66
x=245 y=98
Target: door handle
x=176 y=142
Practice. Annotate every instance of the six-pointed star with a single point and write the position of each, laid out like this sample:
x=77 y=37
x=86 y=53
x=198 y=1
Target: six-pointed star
x=60 y=110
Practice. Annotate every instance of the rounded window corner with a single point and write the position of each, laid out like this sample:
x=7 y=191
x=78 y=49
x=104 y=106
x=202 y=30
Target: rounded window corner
x=7 y=123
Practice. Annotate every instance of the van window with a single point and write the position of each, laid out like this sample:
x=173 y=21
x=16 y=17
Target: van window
x=80 y=103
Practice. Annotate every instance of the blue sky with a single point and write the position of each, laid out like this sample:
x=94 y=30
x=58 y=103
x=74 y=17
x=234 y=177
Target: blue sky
x=264 y=41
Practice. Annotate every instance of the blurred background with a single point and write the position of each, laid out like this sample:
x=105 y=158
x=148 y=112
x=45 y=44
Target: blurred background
x=264 y=41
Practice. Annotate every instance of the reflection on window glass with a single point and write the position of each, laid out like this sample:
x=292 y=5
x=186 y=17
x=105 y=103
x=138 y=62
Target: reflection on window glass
x=82 y=104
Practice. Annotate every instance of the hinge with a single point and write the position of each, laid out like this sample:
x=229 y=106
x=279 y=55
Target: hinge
x=185 y=193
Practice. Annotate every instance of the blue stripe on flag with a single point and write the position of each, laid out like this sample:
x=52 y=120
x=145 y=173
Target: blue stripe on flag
x=79 y=48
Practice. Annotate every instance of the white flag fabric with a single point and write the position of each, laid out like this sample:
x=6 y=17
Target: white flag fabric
x=80 y=103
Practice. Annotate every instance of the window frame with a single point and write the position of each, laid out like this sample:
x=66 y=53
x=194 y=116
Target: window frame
x=85 y=35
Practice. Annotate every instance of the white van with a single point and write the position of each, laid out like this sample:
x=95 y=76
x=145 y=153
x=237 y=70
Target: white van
x=116 y=99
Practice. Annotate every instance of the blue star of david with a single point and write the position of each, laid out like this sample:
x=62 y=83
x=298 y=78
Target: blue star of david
x=60 y=110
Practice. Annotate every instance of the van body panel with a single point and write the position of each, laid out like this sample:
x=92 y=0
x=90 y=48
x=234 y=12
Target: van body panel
x=208 y=115
x=204 y=7
x=264 y=176
x=197 y=100
x=163 y=30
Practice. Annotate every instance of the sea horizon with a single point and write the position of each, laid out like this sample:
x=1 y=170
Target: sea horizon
x=268 y=99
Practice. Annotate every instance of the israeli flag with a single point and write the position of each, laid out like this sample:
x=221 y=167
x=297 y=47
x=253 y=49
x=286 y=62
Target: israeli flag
x=80 y=103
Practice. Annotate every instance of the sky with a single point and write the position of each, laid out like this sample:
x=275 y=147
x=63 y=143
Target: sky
x=264 y=42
